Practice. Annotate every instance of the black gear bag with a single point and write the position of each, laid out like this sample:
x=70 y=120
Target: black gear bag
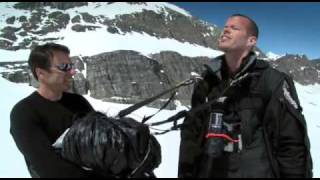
x=112 y=147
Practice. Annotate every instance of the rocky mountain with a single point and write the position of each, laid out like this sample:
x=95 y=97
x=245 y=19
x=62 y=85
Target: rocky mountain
x=299 y=67
x=272 y=56
x=15 y=71
x=316 y=62
x=113 y=75
x=123 y=52
x=36 y=21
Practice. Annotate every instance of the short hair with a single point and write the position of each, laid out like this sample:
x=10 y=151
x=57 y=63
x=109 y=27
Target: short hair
x=253 y=29
x=41 y=56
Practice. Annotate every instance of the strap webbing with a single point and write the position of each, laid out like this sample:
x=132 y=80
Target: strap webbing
x=147 y=101
x=206 y=105
x=145 y=119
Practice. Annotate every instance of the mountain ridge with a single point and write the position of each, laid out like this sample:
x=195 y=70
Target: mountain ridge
x=134 y=52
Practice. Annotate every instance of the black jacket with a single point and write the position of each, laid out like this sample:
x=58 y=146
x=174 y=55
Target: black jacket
x=36 y=123
x=272 y=127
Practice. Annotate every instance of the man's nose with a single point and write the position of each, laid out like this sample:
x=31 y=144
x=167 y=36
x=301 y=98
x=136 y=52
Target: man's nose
x=226 y=31
x=72 y=72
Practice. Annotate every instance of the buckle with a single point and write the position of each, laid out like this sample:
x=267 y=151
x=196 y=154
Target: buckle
x=234 y=146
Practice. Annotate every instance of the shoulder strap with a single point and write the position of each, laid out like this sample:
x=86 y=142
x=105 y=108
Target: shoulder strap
x=205 y=105
x=267 y=83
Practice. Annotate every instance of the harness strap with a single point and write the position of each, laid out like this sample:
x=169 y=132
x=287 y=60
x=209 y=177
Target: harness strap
x=147 y=101
x=204 y=106
x=173 y=95
x=139 y=167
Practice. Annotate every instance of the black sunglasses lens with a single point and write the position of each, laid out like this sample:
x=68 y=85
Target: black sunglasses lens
x=65 y=67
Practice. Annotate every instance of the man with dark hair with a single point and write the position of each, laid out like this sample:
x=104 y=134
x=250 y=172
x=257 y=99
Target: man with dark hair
x=39 y=119
x=247 y=120
x=253 y=27
x=41 y=55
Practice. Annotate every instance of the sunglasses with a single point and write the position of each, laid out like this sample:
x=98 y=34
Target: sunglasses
x=65 y=67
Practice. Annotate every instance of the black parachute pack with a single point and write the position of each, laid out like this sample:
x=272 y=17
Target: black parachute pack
x=112 y=147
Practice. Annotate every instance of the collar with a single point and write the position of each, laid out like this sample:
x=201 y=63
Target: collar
x=215 y=66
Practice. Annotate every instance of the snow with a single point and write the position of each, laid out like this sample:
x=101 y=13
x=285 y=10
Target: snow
x=107 y=42
x=14 y=162
x=147 y=44
x=84 y=71
x=113 y=10
x=309 y=97
x=273 y=56
x=95 y=42
x=110 y=11
x=10 y=56
x=7 y=11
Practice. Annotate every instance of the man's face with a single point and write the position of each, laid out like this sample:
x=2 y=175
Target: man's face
x=235 y=35
x=55 y=78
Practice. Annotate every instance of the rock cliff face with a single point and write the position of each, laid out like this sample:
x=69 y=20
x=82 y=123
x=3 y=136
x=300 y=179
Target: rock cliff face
x=129 y=77
x=299 y=67
x=175 y=25
x=178 y=68
x=123 y=76
x=316 y=63
x=15 y=71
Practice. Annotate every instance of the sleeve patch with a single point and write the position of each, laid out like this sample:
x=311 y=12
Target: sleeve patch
x=288 y=96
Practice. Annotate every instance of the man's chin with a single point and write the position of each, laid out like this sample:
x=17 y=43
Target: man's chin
x=222 y=48
x=67 y=88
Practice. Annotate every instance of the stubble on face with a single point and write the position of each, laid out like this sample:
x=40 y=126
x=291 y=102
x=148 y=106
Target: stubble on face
x=62 y=80
x=234 y=35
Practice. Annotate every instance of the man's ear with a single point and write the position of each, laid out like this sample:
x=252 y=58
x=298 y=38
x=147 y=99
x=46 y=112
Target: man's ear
x=252 y=41
x=40 y=72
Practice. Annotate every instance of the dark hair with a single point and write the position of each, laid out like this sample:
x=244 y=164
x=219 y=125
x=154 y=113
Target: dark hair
x=41 y=56
x=253 y=30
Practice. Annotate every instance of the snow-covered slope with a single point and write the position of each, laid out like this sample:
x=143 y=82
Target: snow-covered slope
x=13 y=163
x=110 y=10
x=273 y=56
x=135 y=41
x=98 y=40
x=309 y=97
x=93 y=43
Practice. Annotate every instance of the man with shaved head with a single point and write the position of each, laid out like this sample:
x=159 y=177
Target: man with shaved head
x=247 y=120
